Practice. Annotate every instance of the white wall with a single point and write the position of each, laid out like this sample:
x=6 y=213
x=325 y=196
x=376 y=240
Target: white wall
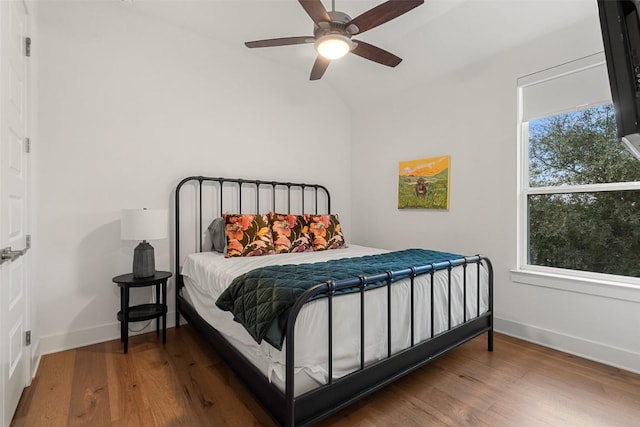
x=126 y=107
x=471 y=115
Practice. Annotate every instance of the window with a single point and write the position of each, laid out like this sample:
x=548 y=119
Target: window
x=579 y=206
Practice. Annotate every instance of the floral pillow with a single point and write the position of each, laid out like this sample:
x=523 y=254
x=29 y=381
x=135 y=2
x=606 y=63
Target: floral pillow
x=290 y=233
x=325 y=231
x=248 y=235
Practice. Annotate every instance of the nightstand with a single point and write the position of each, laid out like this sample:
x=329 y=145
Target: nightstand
x=138 y=313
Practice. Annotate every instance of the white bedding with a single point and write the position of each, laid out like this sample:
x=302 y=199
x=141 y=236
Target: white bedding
x=207 y=274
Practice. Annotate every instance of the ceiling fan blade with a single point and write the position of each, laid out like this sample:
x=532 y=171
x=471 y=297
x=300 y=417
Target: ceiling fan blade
x=284 y=41
x=315 y=9
x=319 y=67
x=383 y=13
x=374 y=53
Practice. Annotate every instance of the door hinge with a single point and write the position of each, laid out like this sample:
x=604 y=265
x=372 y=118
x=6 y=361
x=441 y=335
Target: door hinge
x=27 y=46
x=27 y=338
x=28 y=242
x=27 y=145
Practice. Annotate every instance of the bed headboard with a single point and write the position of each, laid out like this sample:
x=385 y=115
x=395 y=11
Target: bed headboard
x=200 y=199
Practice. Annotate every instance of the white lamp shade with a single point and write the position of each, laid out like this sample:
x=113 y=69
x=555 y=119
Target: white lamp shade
x=144 y=224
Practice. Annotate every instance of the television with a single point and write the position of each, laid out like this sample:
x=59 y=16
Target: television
x=620 y=25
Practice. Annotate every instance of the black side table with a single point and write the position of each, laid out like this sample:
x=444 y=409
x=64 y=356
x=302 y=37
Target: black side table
x=142 y=312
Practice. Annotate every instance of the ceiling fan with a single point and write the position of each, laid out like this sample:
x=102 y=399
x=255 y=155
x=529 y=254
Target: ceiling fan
x=333 y=32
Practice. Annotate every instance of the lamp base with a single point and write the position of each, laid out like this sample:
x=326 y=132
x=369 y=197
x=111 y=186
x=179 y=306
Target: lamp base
x=144 y=264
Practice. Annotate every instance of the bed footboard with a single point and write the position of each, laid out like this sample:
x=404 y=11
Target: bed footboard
x=337 y=394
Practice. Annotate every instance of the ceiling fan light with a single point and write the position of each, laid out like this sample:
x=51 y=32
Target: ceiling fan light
x=333 y=46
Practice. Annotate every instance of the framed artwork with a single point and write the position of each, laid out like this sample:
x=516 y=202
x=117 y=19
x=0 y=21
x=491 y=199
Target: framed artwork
x=424 y=183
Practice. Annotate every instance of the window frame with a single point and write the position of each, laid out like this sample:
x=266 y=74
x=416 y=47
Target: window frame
x=614 y=286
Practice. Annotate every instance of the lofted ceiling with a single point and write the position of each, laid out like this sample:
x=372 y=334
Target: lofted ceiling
x=435 y=38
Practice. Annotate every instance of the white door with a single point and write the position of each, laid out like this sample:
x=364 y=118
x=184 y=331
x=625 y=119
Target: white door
x=14 y=309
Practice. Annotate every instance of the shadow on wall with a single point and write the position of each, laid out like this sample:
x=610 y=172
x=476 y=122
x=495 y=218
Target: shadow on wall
x=100 y=256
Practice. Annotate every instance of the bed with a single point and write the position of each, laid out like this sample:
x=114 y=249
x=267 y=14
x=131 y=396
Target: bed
x=341 y=339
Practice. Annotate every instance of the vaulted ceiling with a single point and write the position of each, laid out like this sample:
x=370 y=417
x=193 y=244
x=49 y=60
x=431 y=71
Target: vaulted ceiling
x=435 y=38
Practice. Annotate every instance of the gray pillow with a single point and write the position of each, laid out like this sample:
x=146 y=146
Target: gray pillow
x=218 y=235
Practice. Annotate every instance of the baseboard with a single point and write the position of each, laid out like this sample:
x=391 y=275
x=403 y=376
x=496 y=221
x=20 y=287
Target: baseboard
x=598 y=352
x=80 y=338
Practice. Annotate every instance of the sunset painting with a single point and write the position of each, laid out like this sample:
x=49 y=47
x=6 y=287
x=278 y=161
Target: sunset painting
x=424 y=183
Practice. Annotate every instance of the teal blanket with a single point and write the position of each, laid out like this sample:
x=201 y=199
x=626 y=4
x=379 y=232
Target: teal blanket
x=260 y=299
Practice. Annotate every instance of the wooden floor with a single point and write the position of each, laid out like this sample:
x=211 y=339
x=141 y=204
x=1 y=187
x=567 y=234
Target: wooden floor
x=185 y=383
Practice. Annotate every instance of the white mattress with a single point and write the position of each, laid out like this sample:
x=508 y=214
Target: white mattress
x=207 y=274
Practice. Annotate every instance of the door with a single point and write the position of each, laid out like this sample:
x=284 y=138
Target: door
x=14 y=309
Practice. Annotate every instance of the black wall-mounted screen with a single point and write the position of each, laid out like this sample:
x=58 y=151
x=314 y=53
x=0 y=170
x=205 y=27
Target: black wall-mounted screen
x=620 y=25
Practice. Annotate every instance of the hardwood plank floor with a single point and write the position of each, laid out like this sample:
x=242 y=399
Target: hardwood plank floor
x=185 y=383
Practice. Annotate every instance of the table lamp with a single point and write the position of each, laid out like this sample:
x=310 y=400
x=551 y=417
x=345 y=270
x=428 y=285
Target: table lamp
x=144 y=224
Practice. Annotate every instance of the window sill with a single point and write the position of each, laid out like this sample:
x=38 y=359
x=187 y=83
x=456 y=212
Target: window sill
x=627 y=289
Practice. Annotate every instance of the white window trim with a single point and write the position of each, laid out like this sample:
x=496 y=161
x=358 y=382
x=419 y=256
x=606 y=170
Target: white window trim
x=582 y=282
x=605 y=285
x=570 y=67
x=587 y=188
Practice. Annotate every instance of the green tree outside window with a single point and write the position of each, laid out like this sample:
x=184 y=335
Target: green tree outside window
x=597 y=231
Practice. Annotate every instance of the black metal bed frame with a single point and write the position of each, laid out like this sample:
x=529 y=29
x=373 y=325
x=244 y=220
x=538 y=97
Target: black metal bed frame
x=310 y=407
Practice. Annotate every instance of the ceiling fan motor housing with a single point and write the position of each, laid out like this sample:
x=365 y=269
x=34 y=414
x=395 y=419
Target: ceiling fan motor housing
x=338 y=25
x=340 y=17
